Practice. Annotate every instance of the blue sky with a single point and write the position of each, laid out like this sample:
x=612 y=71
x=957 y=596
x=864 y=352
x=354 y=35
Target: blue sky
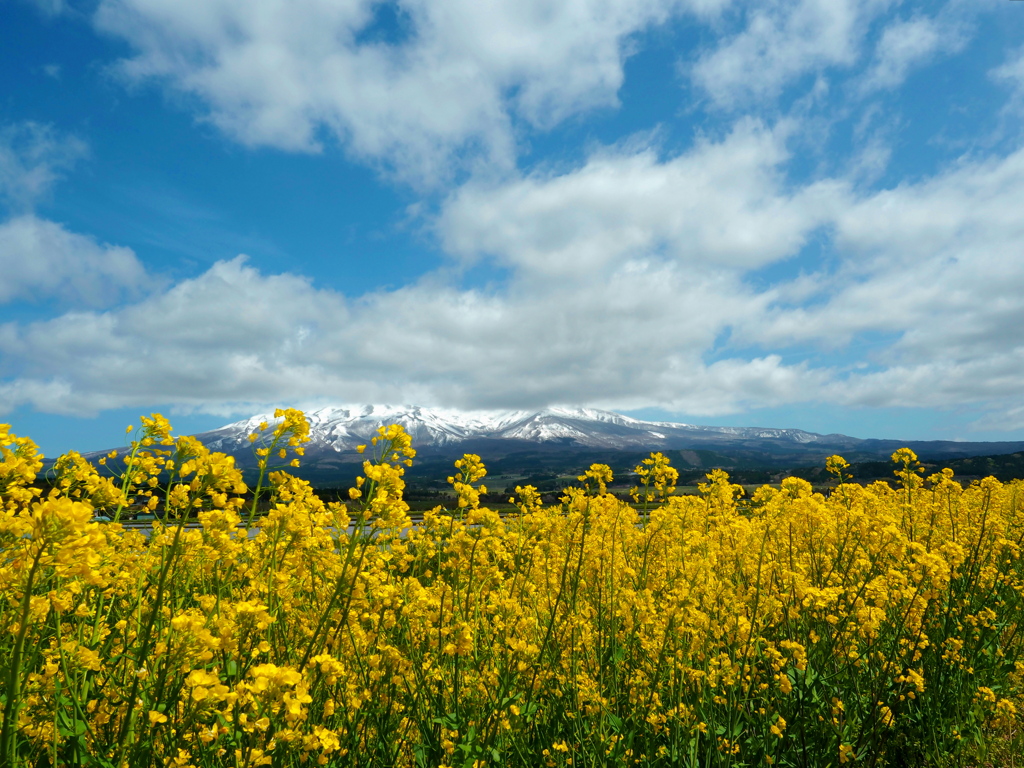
x=794 y=214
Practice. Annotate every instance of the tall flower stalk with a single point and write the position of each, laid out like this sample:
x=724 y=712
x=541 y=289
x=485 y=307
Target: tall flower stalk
x=876 y=625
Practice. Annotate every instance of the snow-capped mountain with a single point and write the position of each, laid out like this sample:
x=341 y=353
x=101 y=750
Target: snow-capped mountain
x=569 y=438
x=342 y=428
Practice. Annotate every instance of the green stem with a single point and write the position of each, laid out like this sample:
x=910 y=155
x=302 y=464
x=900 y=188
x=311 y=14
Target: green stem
x=145 y=646
x=13 y=704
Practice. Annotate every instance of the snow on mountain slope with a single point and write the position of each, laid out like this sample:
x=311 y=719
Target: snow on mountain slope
x=341 y=428
x=442 y=433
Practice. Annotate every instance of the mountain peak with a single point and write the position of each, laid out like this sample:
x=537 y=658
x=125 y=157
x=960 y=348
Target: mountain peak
x=589 y=434
x=342 y=427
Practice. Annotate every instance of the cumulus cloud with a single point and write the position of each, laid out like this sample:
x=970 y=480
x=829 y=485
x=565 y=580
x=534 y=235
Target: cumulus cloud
x=909 y=43
x=1003 y=420
x=922 y=289
x=930 y=280
x=40 y=259
x=1012 y=70
x=780 y=42
x=626 y=289
x=1011 y=73
x=235 y=335
x=723 y=204
x=210 y=337
x=938 y=261
x=455 y=82
x=32 y=158
x=635 y=277
x=50 y=7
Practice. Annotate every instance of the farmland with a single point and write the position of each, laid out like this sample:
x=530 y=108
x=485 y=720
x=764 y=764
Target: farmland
x=875 y=624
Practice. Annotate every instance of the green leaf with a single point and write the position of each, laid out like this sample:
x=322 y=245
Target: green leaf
x=73 y=729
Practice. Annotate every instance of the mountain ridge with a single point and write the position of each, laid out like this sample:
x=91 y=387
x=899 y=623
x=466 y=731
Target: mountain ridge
x=566 y=438
x=344 y=427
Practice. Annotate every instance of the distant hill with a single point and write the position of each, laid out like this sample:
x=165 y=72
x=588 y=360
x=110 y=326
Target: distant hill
x=1003 y=467
x=566 y=440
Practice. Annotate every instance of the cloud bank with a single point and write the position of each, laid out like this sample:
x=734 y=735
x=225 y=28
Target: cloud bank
x=738 y=269
x=447 y=90
x=628 y=303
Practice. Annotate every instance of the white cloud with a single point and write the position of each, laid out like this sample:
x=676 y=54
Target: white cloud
x=721 y=204
x=783 y=41
x=208 y=338
x=1011 y=73
x=50 y=7
x=1005 y=420
x=910 y=43
x=284 y=74
x=234 y=335
x=32 y=158
x=40 y=259
x=1012 y=70
x=934 y=271
x=923 y=303
x=922 y=287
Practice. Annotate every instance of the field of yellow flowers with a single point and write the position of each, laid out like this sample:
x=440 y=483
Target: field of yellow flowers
x=875 y=626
